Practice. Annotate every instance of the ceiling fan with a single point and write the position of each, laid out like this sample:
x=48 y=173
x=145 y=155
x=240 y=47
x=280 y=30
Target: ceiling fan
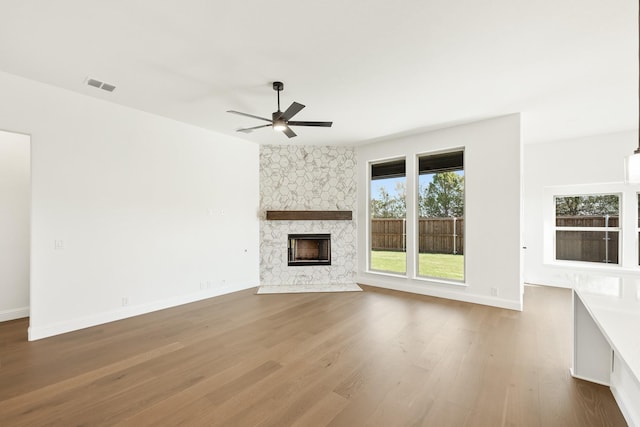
x=279 y=120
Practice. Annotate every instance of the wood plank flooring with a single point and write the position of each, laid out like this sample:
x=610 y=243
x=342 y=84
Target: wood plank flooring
x=372 y=358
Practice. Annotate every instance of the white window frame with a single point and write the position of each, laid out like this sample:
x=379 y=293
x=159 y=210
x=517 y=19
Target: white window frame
x=369 y=268
x=416 y=273
x=628 y=255
x=605 y=229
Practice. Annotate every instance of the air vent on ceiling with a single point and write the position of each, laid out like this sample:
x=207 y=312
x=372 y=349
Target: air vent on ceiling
x=100 y=85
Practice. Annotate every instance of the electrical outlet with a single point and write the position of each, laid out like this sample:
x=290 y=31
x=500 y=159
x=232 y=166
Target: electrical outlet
x=58 y=245
x=125 y=301
x=494 y=292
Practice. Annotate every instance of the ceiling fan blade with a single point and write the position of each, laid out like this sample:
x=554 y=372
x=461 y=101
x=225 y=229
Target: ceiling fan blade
x=249 y=115
x=320 y=124
x=287 y=131
x=249 y=130
x=293 y=109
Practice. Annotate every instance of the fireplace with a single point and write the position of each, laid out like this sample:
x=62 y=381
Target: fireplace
x=309 y=249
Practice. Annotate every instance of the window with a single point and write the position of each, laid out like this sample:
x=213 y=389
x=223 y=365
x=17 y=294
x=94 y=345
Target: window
x=388 y=214
x=441 y=215
x=588 y=228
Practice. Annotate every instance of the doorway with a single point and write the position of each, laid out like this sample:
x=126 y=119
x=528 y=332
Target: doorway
x=15 y=224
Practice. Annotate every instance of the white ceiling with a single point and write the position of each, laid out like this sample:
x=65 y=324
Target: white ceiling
x=376 y=67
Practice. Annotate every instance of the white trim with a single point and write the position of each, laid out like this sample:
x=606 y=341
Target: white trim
x=426 y=279
x=387 y=273
x=563 y=228
x=625 y=407
x=368 y=209
x=14 y=313
x=416 y=211
x=584 y=378
x=605 y=229
x=627 y=243
x=592 y=267
x=625 y=387
x=379 y=282
x=441 y=281
x=36 y=333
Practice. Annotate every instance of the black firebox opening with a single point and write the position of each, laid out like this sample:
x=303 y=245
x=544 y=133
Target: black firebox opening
x=309 y=249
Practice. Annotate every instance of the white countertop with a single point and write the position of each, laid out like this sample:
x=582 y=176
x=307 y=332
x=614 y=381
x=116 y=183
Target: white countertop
x=614 y=304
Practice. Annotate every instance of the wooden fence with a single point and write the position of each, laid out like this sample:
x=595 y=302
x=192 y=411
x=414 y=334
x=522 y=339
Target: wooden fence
x=435 y=235
x=581 y=245
x=446 y=236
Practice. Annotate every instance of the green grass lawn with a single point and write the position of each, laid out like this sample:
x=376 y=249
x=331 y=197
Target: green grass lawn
x=445 y=266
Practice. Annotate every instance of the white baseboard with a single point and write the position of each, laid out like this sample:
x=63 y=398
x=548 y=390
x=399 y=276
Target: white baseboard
x=591 y=380
x=39 y=332
x=14 y=313
x=441 y=293
x=625 y=387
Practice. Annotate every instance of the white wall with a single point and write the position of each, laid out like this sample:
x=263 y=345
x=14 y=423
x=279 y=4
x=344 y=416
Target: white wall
x=14 y=225
x=582 y=165
x=150 y=212
x=492 y=210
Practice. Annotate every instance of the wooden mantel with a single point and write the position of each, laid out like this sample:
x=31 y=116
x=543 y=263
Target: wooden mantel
x=309 y=215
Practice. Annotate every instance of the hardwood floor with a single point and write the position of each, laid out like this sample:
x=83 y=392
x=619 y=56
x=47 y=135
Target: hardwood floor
x=373 y=358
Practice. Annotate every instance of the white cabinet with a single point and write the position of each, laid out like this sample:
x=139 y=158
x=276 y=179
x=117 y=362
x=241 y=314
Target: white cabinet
x=606 y=338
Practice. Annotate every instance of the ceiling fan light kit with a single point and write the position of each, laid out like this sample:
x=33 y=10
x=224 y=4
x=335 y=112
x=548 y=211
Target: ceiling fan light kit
x=280 y=121
x=279 y=124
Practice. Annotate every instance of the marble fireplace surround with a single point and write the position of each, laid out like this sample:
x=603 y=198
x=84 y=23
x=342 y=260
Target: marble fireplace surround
x=274 y=247
x=307 y=190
